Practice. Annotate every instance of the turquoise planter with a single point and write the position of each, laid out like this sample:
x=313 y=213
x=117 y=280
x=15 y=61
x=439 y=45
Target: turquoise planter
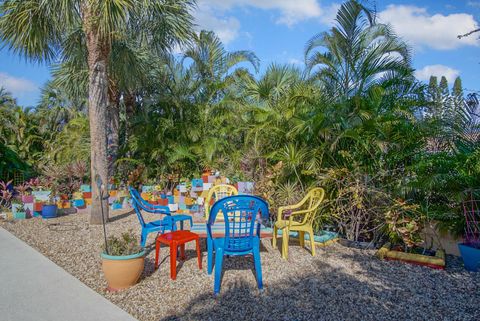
x=19 y=215
x=470 y=256
x=15 y=207
x=85 y=188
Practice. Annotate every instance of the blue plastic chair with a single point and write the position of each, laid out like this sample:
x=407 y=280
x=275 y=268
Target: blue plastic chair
x=169 y=222
x=242 y=215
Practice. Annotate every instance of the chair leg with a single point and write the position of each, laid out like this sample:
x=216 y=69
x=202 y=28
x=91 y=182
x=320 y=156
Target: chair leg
x=199 y=253
x=209 y=255
x=173 y=260
x=157 y=253
x=312 y=241
x=285 y=237
x=218 y=270
x=143 y=238
x=258 y=265
x=301 y=238
x=274 y=238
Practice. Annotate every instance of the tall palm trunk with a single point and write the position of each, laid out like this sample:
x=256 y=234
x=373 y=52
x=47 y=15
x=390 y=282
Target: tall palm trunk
x=98 y=99
x=113 y=128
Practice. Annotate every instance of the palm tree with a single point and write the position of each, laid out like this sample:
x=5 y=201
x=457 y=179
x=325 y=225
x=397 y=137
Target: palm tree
x=40 y=30
x=357 y=53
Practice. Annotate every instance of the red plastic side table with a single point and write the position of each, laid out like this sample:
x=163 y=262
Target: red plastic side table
x=174 y=240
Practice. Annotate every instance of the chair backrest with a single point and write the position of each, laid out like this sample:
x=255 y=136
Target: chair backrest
x=218 y=192
x=242 y=215
x=313 y=199
x=147 y=206
x=140 y=204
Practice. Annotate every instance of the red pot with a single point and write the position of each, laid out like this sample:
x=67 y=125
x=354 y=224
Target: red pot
x=153 y=202
x=37 y=207
x=87 y=195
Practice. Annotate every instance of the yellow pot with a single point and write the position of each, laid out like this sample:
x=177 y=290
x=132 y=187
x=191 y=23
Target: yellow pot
x=122 y=272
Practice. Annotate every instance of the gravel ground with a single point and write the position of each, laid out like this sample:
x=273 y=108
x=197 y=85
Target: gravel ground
x=339 y=283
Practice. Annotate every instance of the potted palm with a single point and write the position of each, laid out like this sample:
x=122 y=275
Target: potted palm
x=470 y=248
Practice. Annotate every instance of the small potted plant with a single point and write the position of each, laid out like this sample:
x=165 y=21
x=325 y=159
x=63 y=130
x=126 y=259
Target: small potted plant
x=5 y=212
x=123 y=260
x=470 y=248
x=50 y=208
x=18 y=210
x=117 y=204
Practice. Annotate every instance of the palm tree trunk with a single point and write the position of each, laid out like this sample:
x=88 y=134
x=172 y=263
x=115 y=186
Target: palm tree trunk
x=98 y=52
x=113 y=136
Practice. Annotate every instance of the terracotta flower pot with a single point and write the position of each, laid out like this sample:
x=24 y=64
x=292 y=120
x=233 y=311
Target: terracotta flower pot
x=122 y=272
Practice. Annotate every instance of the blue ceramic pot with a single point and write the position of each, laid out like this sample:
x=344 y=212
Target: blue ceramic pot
x=49 y=211
x=470 y=256
x=79 y=203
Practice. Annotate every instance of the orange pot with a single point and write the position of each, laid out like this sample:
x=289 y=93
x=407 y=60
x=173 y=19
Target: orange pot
x=122 y=272
x=37 y=207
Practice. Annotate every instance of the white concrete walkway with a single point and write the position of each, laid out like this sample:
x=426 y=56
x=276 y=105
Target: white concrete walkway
x=34 y=288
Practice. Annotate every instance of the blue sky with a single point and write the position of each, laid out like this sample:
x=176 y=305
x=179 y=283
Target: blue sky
x=277 y=30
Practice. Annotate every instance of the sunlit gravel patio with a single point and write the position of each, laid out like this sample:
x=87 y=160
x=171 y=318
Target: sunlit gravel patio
x=339 y=283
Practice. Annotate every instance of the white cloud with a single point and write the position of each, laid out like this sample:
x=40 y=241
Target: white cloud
x=330 y=13
x=226 y=28
x=475 y=4
x=436 y=31
x=438 y=71
x=214 y=14
x=295 y=61
x=291 y=11
x=16 y=85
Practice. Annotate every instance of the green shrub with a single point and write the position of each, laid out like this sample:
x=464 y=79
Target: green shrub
x=126 y=244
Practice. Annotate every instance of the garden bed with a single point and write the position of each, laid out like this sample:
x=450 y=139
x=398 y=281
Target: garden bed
x=337 y=283
x=432 y=259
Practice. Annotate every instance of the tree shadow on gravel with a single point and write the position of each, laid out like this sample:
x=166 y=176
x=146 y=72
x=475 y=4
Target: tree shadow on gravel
x=120 y=216
x=361 y=289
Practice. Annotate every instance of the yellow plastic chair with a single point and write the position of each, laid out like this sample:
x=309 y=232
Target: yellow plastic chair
x=300 y=219
x=218 y=192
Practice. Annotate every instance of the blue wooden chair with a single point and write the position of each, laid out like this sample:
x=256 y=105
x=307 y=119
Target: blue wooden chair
x=169 y=222
x=242 y=217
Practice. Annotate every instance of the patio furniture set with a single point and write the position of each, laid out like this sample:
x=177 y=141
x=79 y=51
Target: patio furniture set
x=233 y=227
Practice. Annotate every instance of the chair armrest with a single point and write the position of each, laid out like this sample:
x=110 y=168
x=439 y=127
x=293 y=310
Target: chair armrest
x=301 y=212
x=158 y=209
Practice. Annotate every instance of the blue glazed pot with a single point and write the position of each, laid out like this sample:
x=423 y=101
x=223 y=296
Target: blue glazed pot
x=79 y=203
x=470 y=256
x=116 y=206
x=49 y=211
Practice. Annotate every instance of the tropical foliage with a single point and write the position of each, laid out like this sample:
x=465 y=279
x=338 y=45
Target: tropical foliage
x=391 y=151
